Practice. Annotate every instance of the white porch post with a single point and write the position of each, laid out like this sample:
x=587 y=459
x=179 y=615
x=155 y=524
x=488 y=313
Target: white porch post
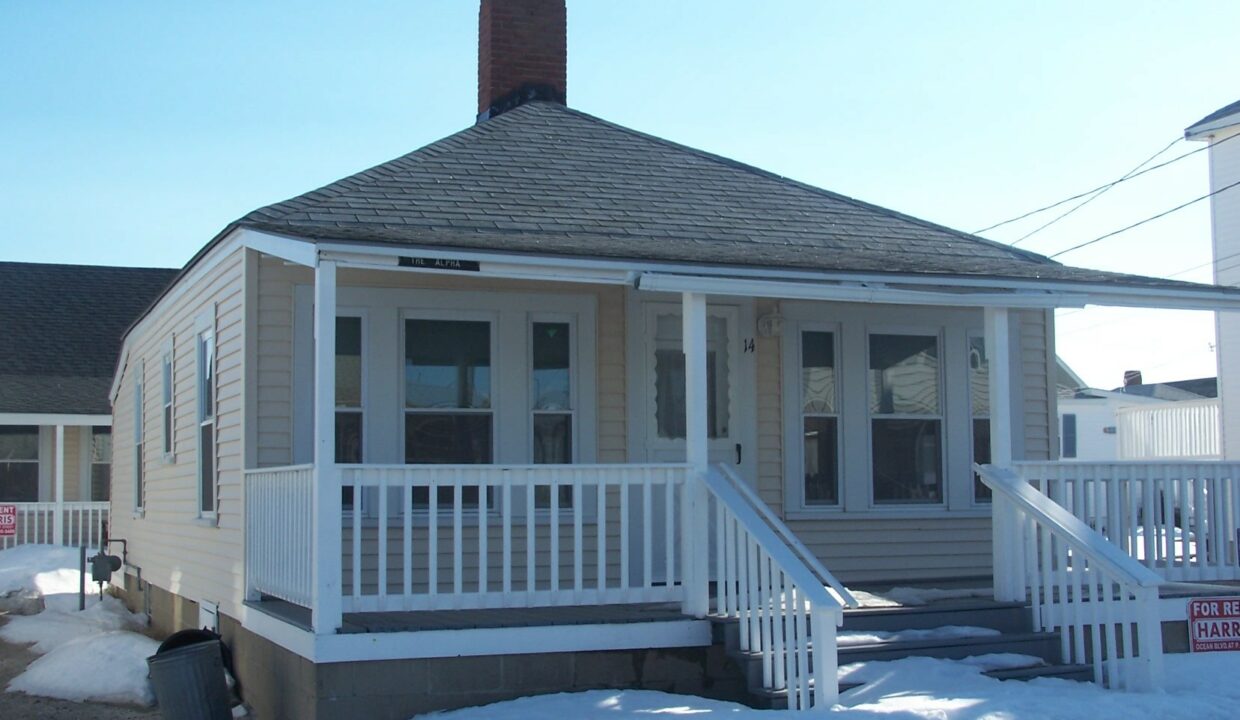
x=1006 y=556
x=326 y=537
x=695 y=524
x=58 y=524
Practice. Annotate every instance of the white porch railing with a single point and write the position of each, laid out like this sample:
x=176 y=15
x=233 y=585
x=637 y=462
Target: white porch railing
x=546 y=535
x=278 y=532
x=1181 y=430
x=778 y=591
x=36 y=523
x=1103 y=602
x=1178 y=519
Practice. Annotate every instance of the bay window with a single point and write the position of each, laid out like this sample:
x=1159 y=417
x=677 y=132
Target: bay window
x=349 y=394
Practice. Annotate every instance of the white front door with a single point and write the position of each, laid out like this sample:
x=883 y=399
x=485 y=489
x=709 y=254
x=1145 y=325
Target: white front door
x=657 y=398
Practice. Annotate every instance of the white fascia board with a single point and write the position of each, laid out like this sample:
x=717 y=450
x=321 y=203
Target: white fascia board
x=53 y=419
x=489 y=266
x=298 y=252
x=1057 y=295
x=850 y=293
x=1205 y=130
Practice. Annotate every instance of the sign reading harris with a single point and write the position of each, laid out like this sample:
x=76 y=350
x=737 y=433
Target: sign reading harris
x=439 y=264
x=1214 y=624
x=8 y=520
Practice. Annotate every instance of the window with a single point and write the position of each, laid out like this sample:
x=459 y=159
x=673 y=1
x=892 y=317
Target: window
x=551 y=390
x=979 y=403
x=100 y=463
x=348 y=397
x=905 y=419
x=1068 y=446
x=448 y=412
x=139 y=427
x=669 y=371
x=166 y=401
x=206 y=422
x=819 y=419
x=19 y=463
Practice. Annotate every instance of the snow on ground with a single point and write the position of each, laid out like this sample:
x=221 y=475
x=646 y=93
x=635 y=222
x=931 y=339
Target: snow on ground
x=1198 y=687
x=870 y=637
x=87 y=655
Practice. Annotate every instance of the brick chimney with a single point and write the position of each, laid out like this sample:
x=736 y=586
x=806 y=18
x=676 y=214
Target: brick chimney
x=522 y=53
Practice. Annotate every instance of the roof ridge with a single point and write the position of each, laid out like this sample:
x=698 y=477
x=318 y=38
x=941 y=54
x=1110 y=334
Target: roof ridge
x=753 y=169
x=24 y=263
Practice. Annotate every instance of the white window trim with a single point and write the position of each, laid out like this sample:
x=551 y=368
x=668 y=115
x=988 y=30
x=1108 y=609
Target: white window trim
x=139 y=437
x=970 y=336
x=168 y=400
x=940 y=347
x=794 y=404
x=205 y=325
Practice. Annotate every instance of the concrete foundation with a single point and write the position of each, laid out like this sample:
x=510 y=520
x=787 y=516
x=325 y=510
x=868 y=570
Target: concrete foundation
x=279 y=684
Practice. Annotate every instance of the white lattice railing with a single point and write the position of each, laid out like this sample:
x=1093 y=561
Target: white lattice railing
x=278 y=527
x=1103 y=603
x=36 y=524
x=778 y=592
x=546 y=535
x=1178 y=519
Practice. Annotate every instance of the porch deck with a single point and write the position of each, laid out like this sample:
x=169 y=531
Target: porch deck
x=427 y=620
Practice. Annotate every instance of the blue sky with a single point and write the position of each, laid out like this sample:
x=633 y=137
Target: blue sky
x=132 y=132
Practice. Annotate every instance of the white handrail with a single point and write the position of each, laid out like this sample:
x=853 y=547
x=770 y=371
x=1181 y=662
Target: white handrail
x=843 y=596
x=1103 y=602
x=786 y=615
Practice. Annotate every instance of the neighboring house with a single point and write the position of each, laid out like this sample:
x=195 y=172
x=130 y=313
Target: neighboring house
x=508 y=393
x=62 y=328
x=1220 y=129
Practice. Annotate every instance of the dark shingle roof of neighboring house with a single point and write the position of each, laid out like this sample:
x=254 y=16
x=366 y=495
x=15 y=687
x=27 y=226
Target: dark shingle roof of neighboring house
x=60 y=332
x=545 y=179
x=1195 y=389
x=1225 y=111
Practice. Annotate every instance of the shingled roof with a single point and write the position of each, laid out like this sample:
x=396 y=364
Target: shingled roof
x=61 y=327
x=549 y=180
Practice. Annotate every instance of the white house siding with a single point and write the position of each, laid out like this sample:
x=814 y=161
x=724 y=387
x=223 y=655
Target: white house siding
x=1225 y=219
x=194 y=558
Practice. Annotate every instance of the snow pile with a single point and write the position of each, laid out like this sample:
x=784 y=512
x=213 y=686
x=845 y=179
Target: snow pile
x=871 y=637
x=105 y=667
x=46 y=571
x=54 y=626
x=900 y=596
x=867 y=672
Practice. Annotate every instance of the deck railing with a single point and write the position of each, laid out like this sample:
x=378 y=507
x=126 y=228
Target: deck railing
x=434 y=537
x=1178 y=519
x=778 y=592
x=36 y=523
x=278 y=528
x=1103 y=602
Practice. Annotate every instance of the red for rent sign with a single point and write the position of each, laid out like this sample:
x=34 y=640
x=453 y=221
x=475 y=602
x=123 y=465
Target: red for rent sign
x=1214 y=624
x=8 y=520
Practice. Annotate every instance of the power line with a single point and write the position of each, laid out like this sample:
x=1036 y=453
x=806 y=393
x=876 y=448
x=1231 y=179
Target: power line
x=1139 y=223
x=1093 y=197
x=1108 y=186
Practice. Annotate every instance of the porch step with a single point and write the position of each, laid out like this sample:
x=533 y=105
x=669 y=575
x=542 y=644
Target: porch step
x=1010 y=620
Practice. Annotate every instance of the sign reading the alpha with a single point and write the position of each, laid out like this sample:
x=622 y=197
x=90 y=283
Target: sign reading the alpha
x=8 y=520
x=440 y=264
x=1214 y=624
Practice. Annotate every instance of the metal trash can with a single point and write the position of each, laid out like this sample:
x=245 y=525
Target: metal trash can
x=189 y=681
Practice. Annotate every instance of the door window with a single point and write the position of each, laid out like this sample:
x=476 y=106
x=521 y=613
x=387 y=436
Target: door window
x=669 y=377
x=819 y=418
